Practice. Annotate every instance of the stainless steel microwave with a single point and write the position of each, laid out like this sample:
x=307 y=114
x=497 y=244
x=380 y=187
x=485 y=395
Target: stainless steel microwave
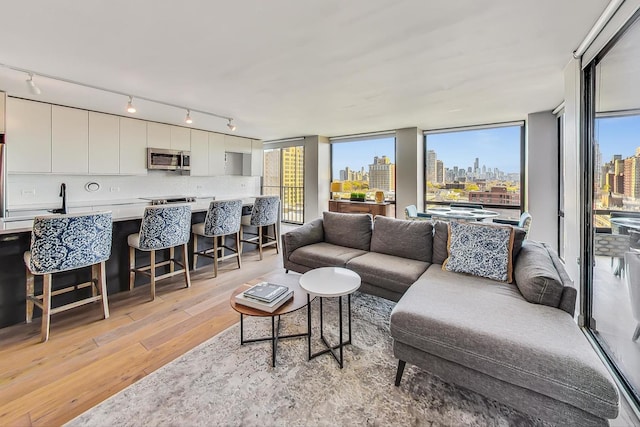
x=170 y=160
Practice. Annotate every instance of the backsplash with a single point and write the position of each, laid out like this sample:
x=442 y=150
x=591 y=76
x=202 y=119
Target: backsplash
x=27 y=190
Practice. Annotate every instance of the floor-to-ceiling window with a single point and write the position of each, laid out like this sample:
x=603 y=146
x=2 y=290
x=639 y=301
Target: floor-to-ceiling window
x=479 y=165
x=612 y=285
x=364 y=164
x=284 y=177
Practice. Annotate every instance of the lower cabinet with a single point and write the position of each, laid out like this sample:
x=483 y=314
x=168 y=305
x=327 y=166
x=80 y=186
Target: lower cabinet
x=345 y=206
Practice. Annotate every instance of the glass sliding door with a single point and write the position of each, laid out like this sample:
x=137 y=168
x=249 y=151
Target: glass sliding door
x=284 y=177
x=613 y=285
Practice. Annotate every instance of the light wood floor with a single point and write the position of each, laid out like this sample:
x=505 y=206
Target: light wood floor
x=87 y=359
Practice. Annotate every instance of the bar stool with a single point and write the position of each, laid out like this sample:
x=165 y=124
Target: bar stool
x=223 y=219
x=63 y=243
x=264 y=214
x=162 y=227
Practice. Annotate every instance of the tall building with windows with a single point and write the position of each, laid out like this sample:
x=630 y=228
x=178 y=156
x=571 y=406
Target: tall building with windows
x=382 y=174
x=431 y=167
x=440 y=172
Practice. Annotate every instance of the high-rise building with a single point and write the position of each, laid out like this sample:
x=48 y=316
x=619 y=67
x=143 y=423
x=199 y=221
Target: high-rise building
x=440 y=172
x=631 y=178
x=476 y=165
x=382 y=174
x=271 y=171
x=431 y=170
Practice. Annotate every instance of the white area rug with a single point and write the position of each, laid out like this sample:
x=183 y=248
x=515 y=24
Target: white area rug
x=221 y=382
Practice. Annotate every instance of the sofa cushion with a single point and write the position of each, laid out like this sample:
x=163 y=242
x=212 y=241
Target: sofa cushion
x=350 y=230
x=441 y=236
x=402 y=238
x=481 y=250
x=387 y=271
x=536 y=275
x=324 y=255
x=307 y=234
x=489 y=327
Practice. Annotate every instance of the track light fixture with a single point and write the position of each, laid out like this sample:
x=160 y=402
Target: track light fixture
x=34 y=89
x=32 y=85
x=130 y=107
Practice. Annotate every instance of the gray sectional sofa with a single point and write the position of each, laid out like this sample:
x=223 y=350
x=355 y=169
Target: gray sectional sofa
x=513 y=342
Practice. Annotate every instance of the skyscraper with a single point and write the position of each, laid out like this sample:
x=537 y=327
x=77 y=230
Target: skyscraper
x=382 y=174
x=431 y=165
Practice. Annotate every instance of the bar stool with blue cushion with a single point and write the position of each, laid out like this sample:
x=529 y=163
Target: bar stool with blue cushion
x=63 y=243
x=163 y=227
x=265 y=213
x=223 y=219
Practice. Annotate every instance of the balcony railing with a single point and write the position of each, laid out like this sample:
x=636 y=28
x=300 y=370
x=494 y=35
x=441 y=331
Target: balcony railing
x=292 y=199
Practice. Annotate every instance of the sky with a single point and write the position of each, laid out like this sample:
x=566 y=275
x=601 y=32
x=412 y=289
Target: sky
x=618 y=135
x=495 y=147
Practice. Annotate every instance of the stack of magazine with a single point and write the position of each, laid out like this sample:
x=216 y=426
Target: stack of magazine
x=265 y=296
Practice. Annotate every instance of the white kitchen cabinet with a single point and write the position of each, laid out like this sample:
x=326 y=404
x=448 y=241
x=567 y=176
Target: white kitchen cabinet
x=257 y=157
x=69 y=140
x=180 y=138
x=158 y=135
x=133 y=146
x=236 y=144
x=199 y=153
x=28 y=136
x=3 y=105
x=216 y=154
x=104 y=144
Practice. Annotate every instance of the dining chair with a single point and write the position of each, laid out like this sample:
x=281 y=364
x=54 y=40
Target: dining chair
x=523 y=222
x=63 y=243
x=265 y=213
x=632 y=264
x=162 y=227
x=222 y=219
x=613 y=246
x=411 y=213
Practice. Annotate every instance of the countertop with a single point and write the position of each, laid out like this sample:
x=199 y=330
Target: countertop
x=121 y=212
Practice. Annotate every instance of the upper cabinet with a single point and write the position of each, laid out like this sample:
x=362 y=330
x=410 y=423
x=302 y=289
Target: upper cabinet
x=216 y=153
x=257 y=157
x=104 y=144
x=236 y=144
x=180 y=138
x=3 y=101
x=199 y=153
x=158 y=135
x=28 y=136
x=133 y=146
x=69 y=140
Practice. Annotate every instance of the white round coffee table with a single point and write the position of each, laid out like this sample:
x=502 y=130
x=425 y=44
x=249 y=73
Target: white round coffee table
x=330 y=282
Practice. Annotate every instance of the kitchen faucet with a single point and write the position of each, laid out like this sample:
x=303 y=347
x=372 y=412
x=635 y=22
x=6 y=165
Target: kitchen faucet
x=63 y=194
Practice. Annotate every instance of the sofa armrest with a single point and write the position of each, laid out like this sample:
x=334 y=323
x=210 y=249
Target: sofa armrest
x=304 y=235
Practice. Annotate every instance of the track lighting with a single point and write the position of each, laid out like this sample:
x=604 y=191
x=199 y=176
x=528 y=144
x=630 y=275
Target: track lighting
x=231 y=125
x=32 y=85
x=130 y=107
x=188 y=119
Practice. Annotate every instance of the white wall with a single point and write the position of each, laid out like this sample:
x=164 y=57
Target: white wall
x=409 y=169
x=317 y=176
x=542 y=176
x=33 y=190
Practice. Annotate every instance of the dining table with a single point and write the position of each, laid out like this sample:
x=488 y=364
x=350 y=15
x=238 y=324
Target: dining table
x=461 y=213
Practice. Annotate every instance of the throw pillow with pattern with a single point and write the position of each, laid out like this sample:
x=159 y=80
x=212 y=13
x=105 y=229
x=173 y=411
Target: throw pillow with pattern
x=480 y=249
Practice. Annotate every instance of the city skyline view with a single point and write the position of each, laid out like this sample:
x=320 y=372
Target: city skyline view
x=360 y=154
x=617 y=135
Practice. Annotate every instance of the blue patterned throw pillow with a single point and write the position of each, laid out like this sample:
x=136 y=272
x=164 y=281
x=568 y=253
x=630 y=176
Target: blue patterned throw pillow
x=481 y=250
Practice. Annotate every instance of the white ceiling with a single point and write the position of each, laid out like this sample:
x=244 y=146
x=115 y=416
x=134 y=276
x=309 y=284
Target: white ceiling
x=286 y=68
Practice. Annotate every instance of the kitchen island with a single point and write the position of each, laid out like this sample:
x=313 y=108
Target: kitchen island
x=15 y=237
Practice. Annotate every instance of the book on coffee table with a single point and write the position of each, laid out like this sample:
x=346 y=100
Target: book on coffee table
x=269 y=307
x=266 y=292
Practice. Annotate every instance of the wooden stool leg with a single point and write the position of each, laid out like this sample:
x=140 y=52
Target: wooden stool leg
x=185 y=254
x=153 y=274
x=215 y=256
x=238 y=250
x=46 y=307
x=132 y=267
x=195 y=251
x=260 y=241
x=172 y=255
x=102 y=284
x=241 y=238
x=30 y=291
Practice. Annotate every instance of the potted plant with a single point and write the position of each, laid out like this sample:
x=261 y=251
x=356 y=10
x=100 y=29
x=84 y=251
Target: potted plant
x=357 y=197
